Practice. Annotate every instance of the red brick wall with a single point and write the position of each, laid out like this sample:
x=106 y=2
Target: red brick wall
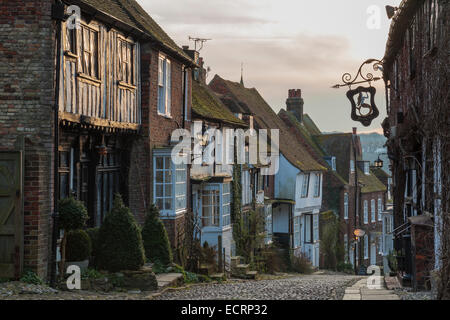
x=159 y=128
x=26 y=104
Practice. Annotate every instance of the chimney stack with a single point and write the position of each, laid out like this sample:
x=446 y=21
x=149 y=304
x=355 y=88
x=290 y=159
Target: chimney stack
x=294 y=103
x=354 y=130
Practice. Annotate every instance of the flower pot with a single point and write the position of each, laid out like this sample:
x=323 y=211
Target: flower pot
x=82 y=264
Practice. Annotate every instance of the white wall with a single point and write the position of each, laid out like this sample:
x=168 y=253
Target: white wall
x=310 y=201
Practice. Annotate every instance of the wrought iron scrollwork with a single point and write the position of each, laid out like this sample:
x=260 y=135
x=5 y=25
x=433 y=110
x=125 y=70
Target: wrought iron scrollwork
x=361 y=110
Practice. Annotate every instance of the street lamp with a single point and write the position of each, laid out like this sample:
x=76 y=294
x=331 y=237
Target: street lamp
x=378 y=163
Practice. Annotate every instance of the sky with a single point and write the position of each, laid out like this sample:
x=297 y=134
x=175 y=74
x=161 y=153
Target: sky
x=286 y=44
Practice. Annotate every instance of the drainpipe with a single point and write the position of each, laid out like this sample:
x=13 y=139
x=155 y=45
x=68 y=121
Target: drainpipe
x=55 y=214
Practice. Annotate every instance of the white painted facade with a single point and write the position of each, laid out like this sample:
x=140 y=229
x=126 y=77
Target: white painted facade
x=306 y=190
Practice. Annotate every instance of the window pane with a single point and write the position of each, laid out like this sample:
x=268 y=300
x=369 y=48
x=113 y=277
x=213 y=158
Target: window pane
x=168 y=204
x=159 y=190
x=168 y=190
x=159 y=176
x=168 y=176
x=159 y=162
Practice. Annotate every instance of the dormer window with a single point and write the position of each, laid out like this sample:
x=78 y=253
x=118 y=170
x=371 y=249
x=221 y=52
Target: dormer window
x=333 y=163
x=366 y=168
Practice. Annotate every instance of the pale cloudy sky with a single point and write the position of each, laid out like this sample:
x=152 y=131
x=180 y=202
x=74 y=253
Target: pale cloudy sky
x=284 y=44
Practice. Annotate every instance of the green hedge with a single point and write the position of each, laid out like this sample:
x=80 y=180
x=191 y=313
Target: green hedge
x=119 y=240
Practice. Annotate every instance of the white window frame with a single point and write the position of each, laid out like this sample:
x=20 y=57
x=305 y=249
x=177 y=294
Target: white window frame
x=186 y=94
x=212 y=191
x=346 y=205
x=372 y=211
x=297 y=233
x=366 y=212
x=317 y=185
x=168 y=173
x=164 y=86
x=333 y=163
x=226 y=205
x=366 y=247
x=246 y=188
x=380 y=209
x=305 y=185
x=366 y=168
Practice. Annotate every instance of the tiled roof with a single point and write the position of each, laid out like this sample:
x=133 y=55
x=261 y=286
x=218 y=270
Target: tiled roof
x=133 y=15
x=337 y=145
x=370 y=183
x=309 y=124
x=307 y=137
x=266 y=118
x=206 y=105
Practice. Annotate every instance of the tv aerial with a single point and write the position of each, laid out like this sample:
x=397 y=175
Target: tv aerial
x=198 y=42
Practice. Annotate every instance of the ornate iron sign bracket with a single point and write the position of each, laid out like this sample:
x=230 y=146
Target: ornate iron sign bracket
x=361 y=110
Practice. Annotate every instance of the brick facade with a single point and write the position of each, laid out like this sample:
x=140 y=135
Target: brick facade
x=26 y=110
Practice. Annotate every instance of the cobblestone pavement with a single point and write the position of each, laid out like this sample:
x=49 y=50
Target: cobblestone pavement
x=293 y=287
x=303 y=287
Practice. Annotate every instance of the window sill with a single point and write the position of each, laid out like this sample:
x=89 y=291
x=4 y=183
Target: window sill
x=164 y=115
x=70 y=54
x=125 y=85
x=89 y=79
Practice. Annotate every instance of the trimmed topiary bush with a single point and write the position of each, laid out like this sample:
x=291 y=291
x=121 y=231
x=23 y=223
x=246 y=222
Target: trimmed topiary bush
x=72 y=214
x=156 y=241
x=78 y=246
x=119 y=240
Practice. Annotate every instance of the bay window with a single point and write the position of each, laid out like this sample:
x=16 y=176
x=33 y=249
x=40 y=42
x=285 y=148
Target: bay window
x=170 y=184
x=226 y=204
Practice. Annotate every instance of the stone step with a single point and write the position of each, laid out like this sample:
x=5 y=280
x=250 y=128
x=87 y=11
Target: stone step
x=235 y=260
x=169 y=279
x=206 y=269
x=218 y=276
x=251 y=274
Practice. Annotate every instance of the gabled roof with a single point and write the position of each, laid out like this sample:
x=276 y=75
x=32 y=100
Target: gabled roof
x=132 y=14
x=370 y=183
x=266 y=118
x=318 y=152
x=309 y=124
x=337 y=145
x=205 y=104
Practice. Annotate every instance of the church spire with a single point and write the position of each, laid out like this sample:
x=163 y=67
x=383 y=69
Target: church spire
x=242 y=73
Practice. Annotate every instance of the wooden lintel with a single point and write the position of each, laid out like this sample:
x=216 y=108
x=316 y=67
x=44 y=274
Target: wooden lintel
x=97 y=123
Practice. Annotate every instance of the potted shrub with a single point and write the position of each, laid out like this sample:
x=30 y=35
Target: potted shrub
x=72 y=216
x=78 y=248
x=156 y=241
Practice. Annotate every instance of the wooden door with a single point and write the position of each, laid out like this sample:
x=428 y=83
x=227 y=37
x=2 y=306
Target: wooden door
x=11 y=215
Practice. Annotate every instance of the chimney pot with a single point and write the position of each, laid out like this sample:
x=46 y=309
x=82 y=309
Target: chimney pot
x=354 y=130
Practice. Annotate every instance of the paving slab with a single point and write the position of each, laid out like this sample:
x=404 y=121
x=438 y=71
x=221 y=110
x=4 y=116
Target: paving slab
x=352 y=291
x=352 y=297
x=380 y=297
x=375 y=291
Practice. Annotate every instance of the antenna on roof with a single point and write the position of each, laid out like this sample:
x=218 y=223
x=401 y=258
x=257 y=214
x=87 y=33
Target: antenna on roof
x=199 y=41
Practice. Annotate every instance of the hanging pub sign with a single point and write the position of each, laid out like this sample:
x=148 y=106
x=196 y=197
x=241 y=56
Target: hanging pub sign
x=362 y=99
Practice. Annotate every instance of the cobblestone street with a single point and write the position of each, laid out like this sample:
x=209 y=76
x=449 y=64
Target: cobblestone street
x=294 y=287
x=302 y=287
